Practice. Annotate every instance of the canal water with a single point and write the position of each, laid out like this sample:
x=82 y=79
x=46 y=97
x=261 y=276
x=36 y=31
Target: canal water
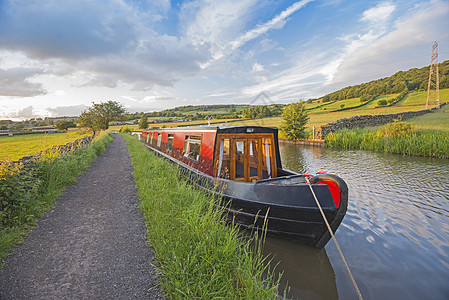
x=395 y=235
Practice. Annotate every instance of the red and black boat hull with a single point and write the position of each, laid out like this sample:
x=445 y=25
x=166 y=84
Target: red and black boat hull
x=285 y=204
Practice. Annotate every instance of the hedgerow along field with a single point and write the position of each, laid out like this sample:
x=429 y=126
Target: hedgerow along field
x=28 y=192
x=15 y=147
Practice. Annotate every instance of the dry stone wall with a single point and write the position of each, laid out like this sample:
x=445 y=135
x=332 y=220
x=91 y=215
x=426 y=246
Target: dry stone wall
x=370 y=120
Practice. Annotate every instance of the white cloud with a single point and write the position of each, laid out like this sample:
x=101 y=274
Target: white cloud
x=378 y=13
x=377 y=52
x=378 y=18
x=111 y=41
x=407 y=45
x=259 y=72
x=68 y=111
x=276 y=23
x=218 y=25
x=24 y=113
x=16 y=82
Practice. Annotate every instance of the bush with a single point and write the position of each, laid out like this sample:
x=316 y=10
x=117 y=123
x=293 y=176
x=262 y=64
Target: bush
x=367 y=98
x=18 y=186
x=398 y=97
x=64 y=125
x=125 y=129
x=396 y=129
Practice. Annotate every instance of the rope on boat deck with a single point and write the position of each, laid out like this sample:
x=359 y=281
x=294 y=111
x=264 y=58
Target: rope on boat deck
x=335 y=240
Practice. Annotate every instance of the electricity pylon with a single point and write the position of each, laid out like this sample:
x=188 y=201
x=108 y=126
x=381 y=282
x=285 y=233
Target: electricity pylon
x=434 y=80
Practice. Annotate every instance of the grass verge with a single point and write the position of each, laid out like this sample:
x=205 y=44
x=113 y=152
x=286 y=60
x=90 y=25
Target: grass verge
x=199 y=256
x=27 y=192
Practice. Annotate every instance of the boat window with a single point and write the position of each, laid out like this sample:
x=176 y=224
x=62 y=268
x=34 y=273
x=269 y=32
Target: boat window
x=192 y=147
x=148 y=137
x=245 y=157
x=255 y=157
x=170 y=139
x=267 y=156
x=224 y=159
x=159 y=139
x=240 y=147
x=151 y=138
x=239 y=160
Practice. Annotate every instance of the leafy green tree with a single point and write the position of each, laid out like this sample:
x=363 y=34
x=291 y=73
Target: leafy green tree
x=326 y=98
x=98 y=116
x=143 y=123
x=294 y=122
x=64 y=125
x=382 y=103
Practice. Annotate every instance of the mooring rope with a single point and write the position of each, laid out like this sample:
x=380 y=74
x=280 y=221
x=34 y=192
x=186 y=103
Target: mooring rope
x=335 y=241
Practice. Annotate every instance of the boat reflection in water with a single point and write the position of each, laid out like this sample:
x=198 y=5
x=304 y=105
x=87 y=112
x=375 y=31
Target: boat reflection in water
x=306 y=270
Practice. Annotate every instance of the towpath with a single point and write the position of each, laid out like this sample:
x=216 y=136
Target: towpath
x=91 y=245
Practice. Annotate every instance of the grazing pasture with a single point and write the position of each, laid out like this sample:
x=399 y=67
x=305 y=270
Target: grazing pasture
x=15 y=147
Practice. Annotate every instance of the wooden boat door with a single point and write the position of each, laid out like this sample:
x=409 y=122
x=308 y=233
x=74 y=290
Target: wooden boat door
x=245 y=157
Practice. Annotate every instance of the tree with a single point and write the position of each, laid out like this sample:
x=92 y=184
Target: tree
x=294 y=122
x=382 y=103
x=64 y=125
x=326 y=98
x=98 y=116
x=143 y=123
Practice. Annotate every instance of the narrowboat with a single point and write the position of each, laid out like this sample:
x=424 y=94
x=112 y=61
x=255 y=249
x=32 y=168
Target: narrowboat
x=242 y=164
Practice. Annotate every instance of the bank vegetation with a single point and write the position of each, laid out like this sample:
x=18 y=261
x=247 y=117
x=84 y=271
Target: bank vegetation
x=199 y=256
x=398 y=137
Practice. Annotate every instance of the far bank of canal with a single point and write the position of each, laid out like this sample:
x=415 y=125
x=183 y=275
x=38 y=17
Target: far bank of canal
x=395 y=235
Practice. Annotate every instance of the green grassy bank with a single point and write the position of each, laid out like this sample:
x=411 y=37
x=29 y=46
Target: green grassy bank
x=27 y=192
x=426 y=135
x=420 y=142
x=199 y=256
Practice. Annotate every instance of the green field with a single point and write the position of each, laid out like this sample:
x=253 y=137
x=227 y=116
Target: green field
x=435 y=120
x=419 y=98
x=373 y=103
x=15 y=147
x=336 y=105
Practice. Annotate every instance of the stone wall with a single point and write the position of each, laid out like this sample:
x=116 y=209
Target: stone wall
x=370 y=120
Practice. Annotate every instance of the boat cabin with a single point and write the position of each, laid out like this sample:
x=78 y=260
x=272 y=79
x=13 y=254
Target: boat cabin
x=240 y=153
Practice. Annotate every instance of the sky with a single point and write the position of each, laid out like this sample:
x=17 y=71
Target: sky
x=58 y=57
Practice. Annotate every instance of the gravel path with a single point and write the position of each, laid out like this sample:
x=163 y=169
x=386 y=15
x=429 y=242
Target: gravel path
x=91 y=245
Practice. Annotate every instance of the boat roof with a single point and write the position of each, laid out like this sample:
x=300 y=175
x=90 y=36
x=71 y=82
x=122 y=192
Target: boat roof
x=221 y=129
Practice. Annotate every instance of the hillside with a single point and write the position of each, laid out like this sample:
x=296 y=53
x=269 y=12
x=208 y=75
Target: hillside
x=413 y=80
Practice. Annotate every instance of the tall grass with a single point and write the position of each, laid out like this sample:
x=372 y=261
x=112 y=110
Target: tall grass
x=28 y=191
x=198 y=255
x=431 y=143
